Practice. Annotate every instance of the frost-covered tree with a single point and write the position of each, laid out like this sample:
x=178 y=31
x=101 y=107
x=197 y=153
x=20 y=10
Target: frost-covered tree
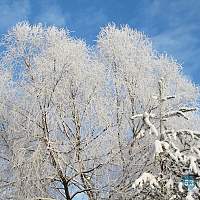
x=133 y=73
x=55 y=114
x=82 y=122
x=176 y=151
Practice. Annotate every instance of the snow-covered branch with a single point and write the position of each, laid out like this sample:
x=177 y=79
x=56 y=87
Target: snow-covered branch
x=146 y=118
x=144 y=179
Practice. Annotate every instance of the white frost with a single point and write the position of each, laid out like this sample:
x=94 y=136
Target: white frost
x=193 y=166
x=146 y=177
x=180 y=187
x=160 y=146
x=149 y=124
x=189 y=196
x=170 y=184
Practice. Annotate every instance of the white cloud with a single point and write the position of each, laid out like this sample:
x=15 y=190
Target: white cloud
x=51 y=14
x=174 y=27
x=181 y=44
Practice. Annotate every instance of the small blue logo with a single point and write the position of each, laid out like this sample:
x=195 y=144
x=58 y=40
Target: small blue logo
x=188 y=181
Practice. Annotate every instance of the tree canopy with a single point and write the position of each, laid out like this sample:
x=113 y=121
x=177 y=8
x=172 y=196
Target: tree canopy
x=117 y=120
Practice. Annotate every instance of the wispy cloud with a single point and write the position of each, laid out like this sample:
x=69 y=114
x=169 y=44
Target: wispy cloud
x=13 y=12
x=84 y=22
x=51 y=14
x=174 y=28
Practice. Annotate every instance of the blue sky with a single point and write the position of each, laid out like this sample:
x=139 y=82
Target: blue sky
x=173 y=25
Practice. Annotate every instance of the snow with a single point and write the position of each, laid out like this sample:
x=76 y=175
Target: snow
x=140 y=134
x=193 y=165
x=196 y=150
x=161 y=146
x=146 y=117
x=169 y=185
x=175 y=113
x=172 y=197
x=154 y=97
x=146 y=177
x=189 y=196
x=137 y=116
x=152 y=128
x=180 y=187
